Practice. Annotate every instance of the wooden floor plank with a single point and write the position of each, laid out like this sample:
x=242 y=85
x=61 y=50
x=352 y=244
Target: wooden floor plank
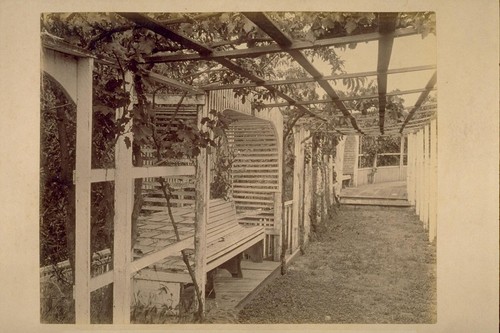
x=231 y=291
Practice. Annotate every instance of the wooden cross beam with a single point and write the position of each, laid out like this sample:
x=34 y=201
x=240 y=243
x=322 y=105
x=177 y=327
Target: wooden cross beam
x=387 y=25
x=411 y=124
x=349 y=98
x=268 y=26
x=171 y=82
x=271 y=49
x=428 y=88
x=204 y=50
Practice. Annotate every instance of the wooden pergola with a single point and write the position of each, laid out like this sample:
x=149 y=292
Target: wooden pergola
x=419 y=123
x=282 y=43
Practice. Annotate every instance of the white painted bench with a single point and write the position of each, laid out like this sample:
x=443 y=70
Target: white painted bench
x=226 y=240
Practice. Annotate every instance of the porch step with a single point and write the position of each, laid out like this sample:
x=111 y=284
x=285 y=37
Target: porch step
x=374 y=201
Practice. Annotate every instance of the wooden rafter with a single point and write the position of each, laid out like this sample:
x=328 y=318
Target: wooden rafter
x=387 y=25
x=312 y=79
x=268 y=26
x=168 y=33
x=428 y=88
x=271 y=49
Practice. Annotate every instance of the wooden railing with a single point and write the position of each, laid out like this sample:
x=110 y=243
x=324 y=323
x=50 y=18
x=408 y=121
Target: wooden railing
x=383 y=174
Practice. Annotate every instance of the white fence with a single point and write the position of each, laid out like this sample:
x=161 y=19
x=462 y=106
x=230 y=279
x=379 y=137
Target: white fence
x=382 y=174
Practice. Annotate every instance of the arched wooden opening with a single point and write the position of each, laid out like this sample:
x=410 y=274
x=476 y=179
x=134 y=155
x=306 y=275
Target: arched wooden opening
x=255 y=171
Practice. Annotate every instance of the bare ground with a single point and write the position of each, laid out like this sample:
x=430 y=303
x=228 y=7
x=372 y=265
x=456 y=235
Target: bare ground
x=371 y=265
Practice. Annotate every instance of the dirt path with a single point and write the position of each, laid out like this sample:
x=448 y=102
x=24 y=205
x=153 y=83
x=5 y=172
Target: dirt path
x=373 y=265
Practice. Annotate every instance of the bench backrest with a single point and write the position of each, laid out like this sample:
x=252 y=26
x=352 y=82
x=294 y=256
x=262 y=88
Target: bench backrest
x=221 y=220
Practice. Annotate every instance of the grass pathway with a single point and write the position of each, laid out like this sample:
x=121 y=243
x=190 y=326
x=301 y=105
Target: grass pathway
x=372 y=265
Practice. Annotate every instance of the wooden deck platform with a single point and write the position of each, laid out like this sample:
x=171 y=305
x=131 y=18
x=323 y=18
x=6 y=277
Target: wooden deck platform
x=234 y=292
x=381 y=194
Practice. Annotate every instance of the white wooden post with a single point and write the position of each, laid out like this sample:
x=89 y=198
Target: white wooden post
x=409 y=169
x=419 y=173
x=307 y=194
x=330 y=178
x=422 y=176
x=298 y=169
x=415 y=169
x=428 y=172
x=82 y=189
x=433 y=185
x=339 y=164
x=357 y=140
x=201 y=211
x=426 y=178
x=122 y=245
x=401 y=158
x=278 y=234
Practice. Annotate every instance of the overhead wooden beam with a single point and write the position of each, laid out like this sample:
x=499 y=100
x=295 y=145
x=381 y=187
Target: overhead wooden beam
x=428 y=88
x=387 y=25
x=204 y=50
x=396 y=127
x=174 y=83
x=393 y=130
x=349 y=98
x=268 y=26
x=312 y=79
x=271 y=49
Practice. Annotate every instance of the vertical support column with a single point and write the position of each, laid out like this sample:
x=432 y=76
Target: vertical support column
x=298 y=169
x=306 y=201
x=426 y=178
x=330 y=178
x=415 y=168
x=122 y=245
x=201 y=210
x=339 y=165
x=418 y=182
x=409 y=169
x=278 y=232
x=82 y=189
x=422 y=176
x=433 y=182
x=428 y=172
x=357 y=140
x=401 y=158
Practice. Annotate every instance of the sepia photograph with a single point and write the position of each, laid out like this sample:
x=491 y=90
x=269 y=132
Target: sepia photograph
x=244 y=166
x=238 y=167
